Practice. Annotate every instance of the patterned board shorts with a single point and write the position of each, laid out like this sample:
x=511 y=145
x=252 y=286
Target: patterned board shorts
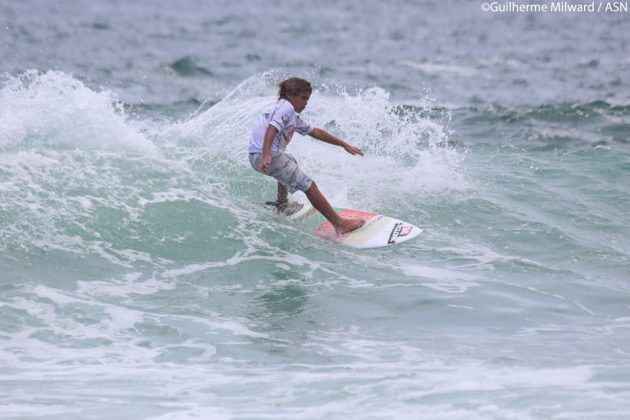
x=285 y=169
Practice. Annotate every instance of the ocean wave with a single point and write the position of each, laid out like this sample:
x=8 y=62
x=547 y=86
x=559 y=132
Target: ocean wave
x=53 y=109
x=546 y=126
x=188 y=67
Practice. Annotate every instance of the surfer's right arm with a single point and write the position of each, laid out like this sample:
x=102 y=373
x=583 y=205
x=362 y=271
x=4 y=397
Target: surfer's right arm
x=266 y=159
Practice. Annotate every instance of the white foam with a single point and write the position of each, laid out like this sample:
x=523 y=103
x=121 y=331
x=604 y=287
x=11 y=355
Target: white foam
x=440 y=279
x=55 y=109
x=406 y=155
x=130 y=283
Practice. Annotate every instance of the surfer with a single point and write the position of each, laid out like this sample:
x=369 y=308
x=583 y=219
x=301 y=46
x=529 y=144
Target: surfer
x=272 y=134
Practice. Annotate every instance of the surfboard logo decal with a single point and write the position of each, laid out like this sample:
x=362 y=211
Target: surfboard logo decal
x=406 y=230
x=395 y=233
x=399 y=230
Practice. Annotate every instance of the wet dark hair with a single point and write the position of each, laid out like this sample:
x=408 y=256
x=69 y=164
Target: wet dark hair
x=293 y=86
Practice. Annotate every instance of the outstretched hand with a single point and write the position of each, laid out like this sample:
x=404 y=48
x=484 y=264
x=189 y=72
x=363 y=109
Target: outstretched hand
x=353 y=150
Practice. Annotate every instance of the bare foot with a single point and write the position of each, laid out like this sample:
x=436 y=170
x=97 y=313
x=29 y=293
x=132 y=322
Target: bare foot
x=288 y=207
x=348 y=225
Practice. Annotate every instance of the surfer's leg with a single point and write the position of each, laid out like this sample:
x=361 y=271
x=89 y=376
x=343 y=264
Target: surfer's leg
x=283 y=195
x=285 y=169
x=282 y=202
x=318 y=201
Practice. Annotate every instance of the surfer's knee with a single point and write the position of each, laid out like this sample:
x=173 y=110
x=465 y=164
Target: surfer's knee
x=311 y=188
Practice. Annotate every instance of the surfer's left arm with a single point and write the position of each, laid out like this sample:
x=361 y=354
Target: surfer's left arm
x=326 y=137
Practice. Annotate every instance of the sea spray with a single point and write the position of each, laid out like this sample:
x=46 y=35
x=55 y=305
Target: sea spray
x=57 y=110
x=411 y=149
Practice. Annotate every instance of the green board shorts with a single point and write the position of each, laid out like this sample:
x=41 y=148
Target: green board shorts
x=285 y=169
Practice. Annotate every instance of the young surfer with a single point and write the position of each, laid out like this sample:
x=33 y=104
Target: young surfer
x=272 y=134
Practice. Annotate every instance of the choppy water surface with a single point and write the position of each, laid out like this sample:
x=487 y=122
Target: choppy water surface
x=140 y=278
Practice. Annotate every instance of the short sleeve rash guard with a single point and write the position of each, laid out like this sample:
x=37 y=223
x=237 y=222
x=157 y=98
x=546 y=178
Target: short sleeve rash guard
x=283 y=117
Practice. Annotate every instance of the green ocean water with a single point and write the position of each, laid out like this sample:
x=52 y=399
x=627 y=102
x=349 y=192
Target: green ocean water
x=141 y=278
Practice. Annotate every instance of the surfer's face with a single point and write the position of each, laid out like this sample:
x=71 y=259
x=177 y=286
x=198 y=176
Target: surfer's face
x=299 y=101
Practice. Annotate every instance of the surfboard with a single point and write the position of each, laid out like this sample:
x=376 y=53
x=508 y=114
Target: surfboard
x=378 y=230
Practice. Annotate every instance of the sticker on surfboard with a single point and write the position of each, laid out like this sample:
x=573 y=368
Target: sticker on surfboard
x=378 y=230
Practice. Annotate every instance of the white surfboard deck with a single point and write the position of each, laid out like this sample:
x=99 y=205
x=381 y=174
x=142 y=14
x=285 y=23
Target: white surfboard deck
x=378 y=231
